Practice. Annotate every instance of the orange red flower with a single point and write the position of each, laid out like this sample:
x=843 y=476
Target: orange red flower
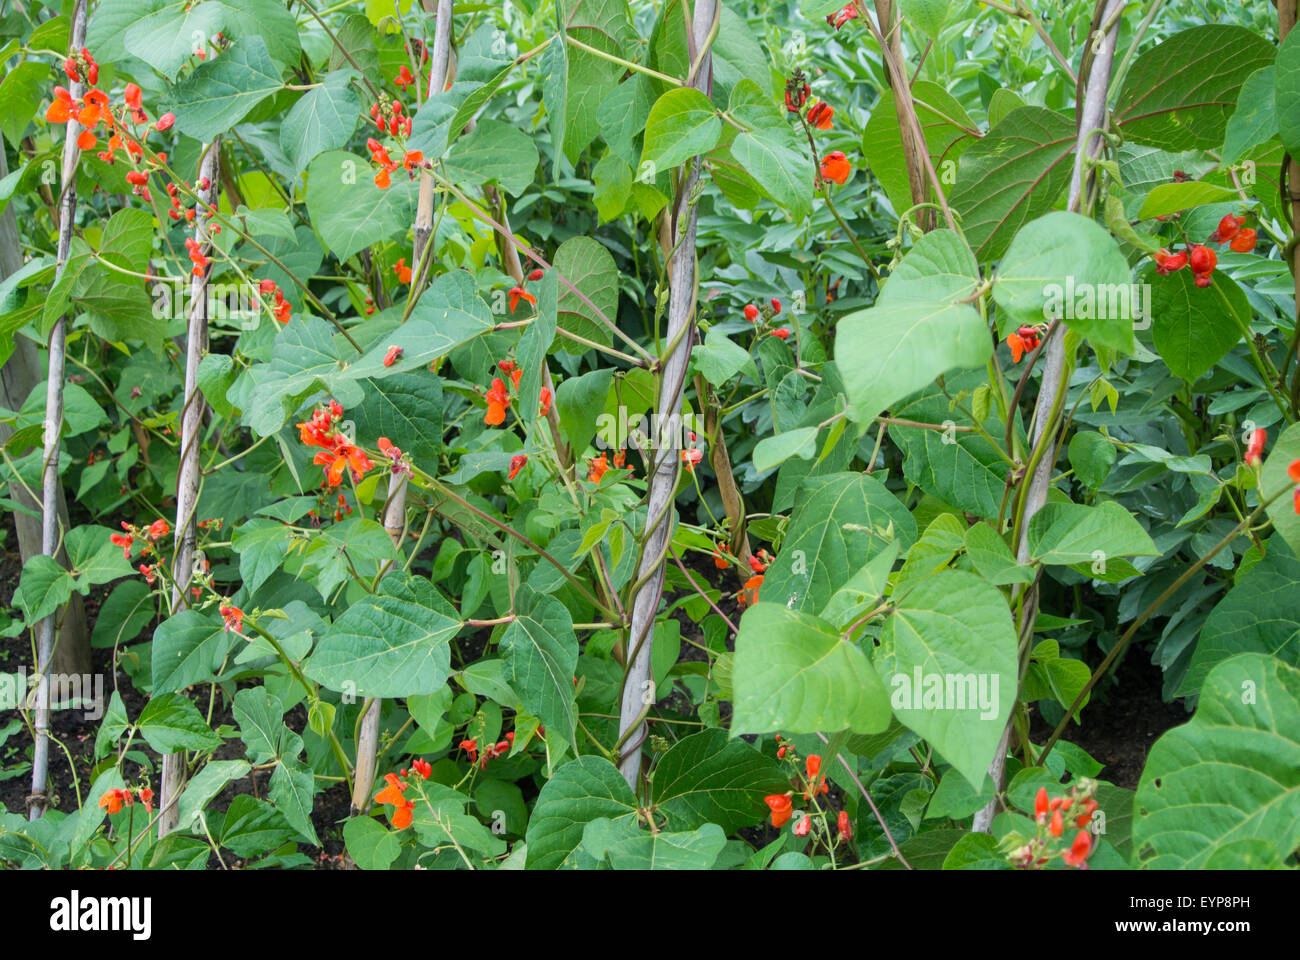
x=391 y=796
x=498 y=401
x=836 y=167
x=598 y=467
x=782 y=810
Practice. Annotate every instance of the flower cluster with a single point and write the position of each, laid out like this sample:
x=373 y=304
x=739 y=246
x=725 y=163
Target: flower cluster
x=338 y=453
x=1025 y=340
x=1052 y=814
x=410 y=160
x=521 y=293
x=813 y=784
x=1201 y=258
x=147 y=536
x=94 y=109
x=842 y=16
x=282 y=309
x=498 y=395
x=492 y=750
x=758 y=563
x=232 y=617
x=597 y=467
x=117 y=798
x=391 y=796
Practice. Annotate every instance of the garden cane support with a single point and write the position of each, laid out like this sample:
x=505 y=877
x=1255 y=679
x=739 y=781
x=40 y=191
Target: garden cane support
x=1091 y=118
x=186 y=562
x=395 y=506
x=665 y=455
x=51 y=483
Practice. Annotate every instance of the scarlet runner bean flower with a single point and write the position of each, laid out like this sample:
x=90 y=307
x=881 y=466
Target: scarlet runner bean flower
x=400 y=817
x=498 y=400
x=114 y=800
x=845 y=826
x=403 y=271
x=598 y=467
x=1024 y=340
x=422 y=767
x=820 y=115
x=544 y=399
x=519 y=293
x=842 y=16
x=403 y=79
x=1077 y=855
x=782 y=810
x=392 y=356
x=751 y=312
x=516 y=464
x=1255 y=449
x=802 y=828
x=1167 y=263
x=835 y=166
x=691 y=457
x=781 y=334
x=1227 y=229
x=1244 y=241
x=233 y=618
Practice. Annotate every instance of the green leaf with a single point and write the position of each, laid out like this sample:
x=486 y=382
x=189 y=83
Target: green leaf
x=170 y=722
x=221 y=91
x=682 y=124
x=348 y=210
x=166 y=40
x=206 y=784
x=554 y=67
x=1231 y=774
x=260 y=715
x=718 y=359
x=1172 y=197
x=605 y=25
x=1066 y=533
x=1255 y=119
x=612 y=178
x=1092 y=456
x=1258 y=615
x=840 y=522
x=581 y=791
x=390 y=644
x=992 y=557
x=1179 y=94
x=292 y=789
x=1013 y=175
x=188 y=648
x=948 y=655
x=773 y=451
x=262 y=545
x=709 y=777
x=793 y=672
x=1065 y=266
x=322 y=120
x=928 y=16
x=450 y=313
x=407 y=409
x=370 y=844
x=494 y=152
x=918 y=329
x=1195 y=327
x=589 y=267
x=43 y=588
x=627 y=847
x=961 y=469
x=776 y=161
x=21 y=91
x=541 y=653
x=947 y=134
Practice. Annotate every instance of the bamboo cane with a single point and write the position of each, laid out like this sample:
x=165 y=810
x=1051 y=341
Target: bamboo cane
x=665 y=452
x=50 y=484
x=1091 y=117
x=187 y=480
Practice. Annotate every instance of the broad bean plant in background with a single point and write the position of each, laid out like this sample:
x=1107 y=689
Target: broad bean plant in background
x=616 y=434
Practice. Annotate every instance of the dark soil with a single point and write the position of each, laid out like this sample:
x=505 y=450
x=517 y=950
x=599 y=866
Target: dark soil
x=1122 y=722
